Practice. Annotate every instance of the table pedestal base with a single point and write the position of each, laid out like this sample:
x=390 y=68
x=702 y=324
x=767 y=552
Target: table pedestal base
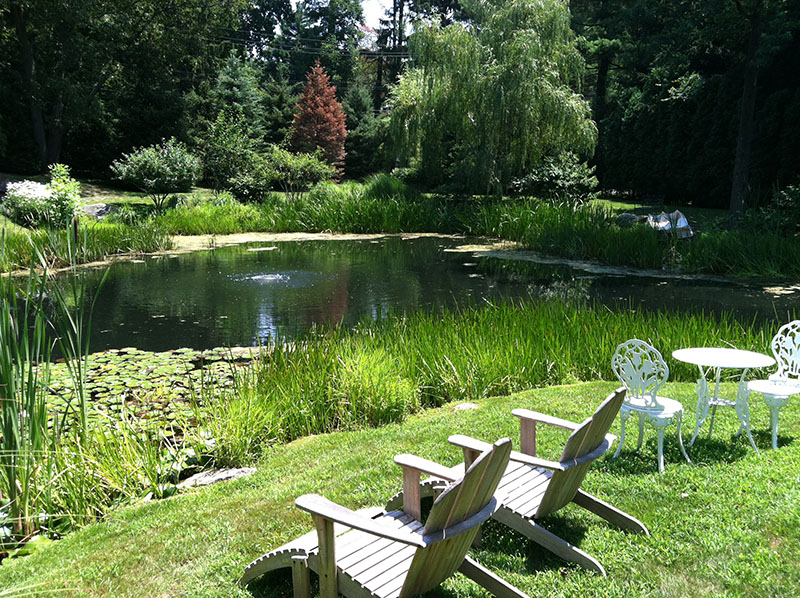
x=706 y=402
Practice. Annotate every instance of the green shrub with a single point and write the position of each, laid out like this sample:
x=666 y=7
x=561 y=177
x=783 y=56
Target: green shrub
x=563 y=177
x=227 y=150
x=159 y=170
x=281 y=169
x=295 y=173
x=33 y=204
x=254 y=179
x=782 y=214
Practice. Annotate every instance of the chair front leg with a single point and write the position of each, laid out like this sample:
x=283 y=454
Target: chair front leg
x=660 y=431
x=624 y=414
x=301 y=580
x=328 y=586
x=641 y=431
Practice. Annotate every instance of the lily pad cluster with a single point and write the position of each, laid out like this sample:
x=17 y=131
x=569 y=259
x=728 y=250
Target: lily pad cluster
x=160 y=387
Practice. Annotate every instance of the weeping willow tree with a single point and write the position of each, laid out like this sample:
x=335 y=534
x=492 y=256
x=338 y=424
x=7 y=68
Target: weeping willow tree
x=484 y=101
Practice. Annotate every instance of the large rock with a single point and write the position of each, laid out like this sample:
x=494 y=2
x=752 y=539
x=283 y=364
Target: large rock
x=627 y=220
x=98 y=210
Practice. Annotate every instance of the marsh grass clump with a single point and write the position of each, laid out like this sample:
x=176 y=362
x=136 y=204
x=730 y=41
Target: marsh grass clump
x=380 y=372
x=59 y=247
x=59 y=467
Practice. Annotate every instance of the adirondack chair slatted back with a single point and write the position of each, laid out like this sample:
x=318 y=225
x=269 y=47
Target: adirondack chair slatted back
x=786 y=348
x=463 y=499
x=587 y=437
x=642 y=369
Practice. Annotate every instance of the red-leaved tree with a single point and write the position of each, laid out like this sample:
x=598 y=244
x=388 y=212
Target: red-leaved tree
x=320 y=121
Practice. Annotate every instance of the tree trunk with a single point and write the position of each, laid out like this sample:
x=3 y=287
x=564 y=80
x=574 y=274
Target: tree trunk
x=747 y=124
x=29 y=76
x=600 y=104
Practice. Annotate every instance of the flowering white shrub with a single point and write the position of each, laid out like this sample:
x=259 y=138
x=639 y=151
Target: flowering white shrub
x=34 y=204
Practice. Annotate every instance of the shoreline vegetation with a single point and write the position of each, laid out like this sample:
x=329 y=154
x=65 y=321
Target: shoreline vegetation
x=384 y=204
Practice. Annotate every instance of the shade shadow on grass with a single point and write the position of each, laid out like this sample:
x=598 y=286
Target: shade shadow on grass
x=499 y=542
x=276 y=584
x=763 y=439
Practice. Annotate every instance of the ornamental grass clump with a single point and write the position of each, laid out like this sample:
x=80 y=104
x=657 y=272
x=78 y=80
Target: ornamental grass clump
x=33 y=204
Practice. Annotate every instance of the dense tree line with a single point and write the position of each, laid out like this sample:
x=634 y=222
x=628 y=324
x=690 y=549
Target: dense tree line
x=694 y=100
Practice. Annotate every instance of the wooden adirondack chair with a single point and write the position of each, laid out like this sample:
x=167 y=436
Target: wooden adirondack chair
x=377 y=554
x=532 y=488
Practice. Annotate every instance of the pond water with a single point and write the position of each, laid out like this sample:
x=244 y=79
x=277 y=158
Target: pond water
x=245 y=294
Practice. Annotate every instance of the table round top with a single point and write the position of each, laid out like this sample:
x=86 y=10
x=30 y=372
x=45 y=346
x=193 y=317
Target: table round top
x=719 y=357
x=779 y=388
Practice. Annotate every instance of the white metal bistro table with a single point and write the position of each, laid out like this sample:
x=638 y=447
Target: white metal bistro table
x=776 y=394
x=716 y=359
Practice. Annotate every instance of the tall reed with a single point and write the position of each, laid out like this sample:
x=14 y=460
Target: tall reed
x=382 y=371
x=63 y=469
x=25 y=438
x=96 y=241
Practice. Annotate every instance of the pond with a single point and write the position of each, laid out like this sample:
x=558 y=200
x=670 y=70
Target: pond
x=246 y=294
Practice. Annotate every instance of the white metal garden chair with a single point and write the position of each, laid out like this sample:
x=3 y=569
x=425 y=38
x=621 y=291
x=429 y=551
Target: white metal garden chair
x=785 y=382
x=643 y=371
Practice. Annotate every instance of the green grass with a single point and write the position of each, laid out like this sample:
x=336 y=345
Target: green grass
x=727 y=525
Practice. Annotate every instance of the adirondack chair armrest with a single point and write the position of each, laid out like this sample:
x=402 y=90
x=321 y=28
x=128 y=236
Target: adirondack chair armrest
x=319 y=505
x=535 y=416
x=469 y=443
x=478 y=446
x=407 y=461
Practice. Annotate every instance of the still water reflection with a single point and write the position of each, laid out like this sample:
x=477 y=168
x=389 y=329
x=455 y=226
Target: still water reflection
x=245 y=294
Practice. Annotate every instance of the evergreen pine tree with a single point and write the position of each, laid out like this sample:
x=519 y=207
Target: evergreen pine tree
x=319 y=123
x=238 y=89
x=280 y=103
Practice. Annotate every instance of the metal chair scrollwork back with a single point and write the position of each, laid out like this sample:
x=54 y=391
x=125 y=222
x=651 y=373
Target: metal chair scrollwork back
x=786 y=348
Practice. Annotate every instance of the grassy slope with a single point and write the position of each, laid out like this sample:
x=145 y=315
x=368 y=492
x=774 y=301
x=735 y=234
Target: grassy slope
x=727 y=525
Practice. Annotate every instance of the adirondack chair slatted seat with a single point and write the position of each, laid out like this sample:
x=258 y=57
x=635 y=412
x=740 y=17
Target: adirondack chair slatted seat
x=378 y=554
x=532 y=488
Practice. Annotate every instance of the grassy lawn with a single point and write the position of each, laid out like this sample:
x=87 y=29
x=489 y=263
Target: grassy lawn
x=93 y=191
x=727 y=525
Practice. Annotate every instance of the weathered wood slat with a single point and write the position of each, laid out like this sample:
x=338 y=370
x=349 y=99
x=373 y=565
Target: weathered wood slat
x=379 y=560
x=533 y=483
x=386 y=579
x=457 y=503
